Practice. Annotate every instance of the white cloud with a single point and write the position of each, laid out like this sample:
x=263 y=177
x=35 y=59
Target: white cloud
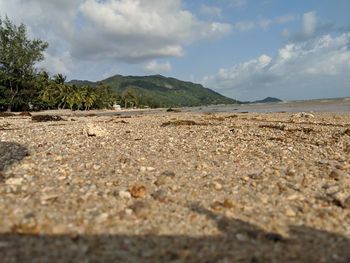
x=263 y=23
x=57 y=64
x=309 y=23
x=312 y=28
x=210 y=11
x=139 y=29
x=132 y=31
x=154 y=67
x=304 y=68
x=244 y=25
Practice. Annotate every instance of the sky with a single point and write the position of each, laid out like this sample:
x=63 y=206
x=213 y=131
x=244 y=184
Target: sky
x=243 y=49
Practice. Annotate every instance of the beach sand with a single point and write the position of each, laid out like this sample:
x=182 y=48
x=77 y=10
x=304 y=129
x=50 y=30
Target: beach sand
x=175 y=187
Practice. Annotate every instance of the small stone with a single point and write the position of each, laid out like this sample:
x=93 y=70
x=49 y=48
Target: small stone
x=290 y=172
x=141 y=209
x=341 y=167
x=273 y=237
x=138 y=191
x=255 y=176
x=150 y=169
x=93 y=130
x=290 y=212
x=217 y=186
x=96 y=167
x=216 y=206
x=61 y=178
x=124 y=194
x=303 y=115
x=14 y=181
x=168 y=173
x=331 y=189
x=143 y=169
x=346 y=202
x=342 y=199
x=45 y=118
x=102 y=217
x=128 y=211
x=293 y=197
x=338 y=174
x=347 y=131
x=228 y=203
x=59 y=229
x=49 y=197
x=242 y=237
x=160 y=195
x=162 y=181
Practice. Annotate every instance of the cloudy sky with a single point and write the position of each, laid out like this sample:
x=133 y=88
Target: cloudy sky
x=245 y=49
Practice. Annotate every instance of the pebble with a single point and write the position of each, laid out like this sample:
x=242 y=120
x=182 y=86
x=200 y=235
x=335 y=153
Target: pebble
x=217 y=186
x=124 y=194
x=168 y=173
x=303 y=115
x=290 y=212
x=255 y=176
x=162 y=181
x=93 y=130
x=102 y=217
x=144 y=169
x=242 y=237
x=59 y=229
x=138 y=191
x=160 y=195
x=14 y=181
x=141 y=209
x=342 y=198
x=96 y=167
x=338 y=174
x=128 y=211
x=49 y=197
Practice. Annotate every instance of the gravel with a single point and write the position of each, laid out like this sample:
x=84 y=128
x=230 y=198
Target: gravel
x=181 y=187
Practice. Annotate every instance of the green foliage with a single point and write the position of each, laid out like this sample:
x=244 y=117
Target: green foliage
x=158 y=91
x=18 y=55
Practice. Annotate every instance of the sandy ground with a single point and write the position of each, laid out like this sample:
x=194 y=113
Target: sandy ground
x=175 y=187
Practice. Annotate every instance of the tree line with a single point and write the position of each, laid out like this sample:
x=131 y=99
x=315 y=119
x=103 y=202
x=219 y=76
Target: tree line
x=24 y=87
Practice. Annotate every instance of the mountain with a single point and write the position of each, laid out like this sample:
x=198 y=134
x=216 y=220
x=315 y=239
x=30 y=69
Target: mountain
x=266 y=100
x=160 y=91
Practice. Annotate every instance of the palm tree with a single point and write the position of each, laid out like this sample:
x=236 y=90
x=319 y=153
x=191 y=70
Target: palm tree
x=88 y=96
x=129 y=97
x=59 y=78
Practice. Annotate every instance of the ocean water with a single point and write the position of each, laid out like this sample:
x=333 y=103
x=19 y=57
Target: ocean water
x=341 y=105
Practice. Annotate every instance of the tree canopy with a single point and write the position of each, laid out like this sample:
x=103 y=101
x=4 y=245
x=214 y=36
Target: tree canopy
x=23 y=87
x=18 y=55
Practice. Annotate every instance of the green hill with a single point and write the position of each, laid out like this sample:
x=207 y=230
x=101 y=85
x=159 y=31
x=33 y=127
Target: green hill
x=160 y=91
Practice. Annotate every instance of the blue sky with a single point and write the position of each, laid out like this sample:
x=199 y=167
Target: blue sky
x=245 y=49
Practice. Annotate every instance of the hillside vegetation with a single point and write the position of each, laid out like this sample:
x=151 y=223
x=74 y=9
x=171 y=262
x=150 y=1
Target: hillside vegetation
x=159 y=91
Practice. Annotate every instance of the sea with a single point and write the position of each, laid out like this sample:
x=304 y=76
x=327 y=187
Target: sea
x=338 y=105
